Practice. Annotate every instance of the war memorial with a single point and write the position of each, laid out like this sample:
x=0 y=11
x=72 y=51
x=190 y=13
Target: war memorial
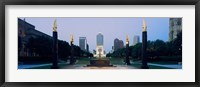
x=76 y=57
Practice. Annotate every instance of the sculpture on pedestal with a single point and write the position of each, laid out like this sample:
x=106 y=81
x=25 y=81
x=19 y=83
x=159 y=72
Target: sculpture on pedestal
x=100 y=60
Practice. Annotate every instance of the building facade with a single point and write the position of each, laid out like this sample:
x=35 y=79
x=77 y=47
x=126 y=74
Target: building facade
x=118 y=44
x=136 y=39
x=25 y=32
x=82 y=43
x=175 y=27
x=99 y=39
x=87 y=48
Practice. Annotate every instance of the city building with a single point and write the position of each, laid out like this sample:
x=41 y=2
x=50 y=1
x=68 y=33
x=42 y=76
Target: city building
x=25 y=32
x=99 y=39
x=136 y=39
x=82 y=43
x=100 y=52
x=112 y=50
x=118 y=44
x=87 y=48
x=175 y=26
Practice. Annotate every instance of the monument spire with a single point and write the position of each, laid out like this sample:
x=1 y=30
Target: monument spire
x=55 y=26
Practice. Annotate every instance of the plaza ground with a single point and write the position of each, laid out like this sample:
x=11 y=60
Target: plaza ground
x=118 y=63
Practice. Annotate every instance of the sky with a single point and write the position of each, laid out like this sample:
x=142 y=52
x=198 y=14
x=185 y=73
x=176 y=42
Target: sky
x=110 y=27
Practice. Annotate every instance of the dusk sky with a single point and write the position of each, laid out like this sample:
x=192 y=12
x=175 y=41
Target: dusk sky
x=111 y=28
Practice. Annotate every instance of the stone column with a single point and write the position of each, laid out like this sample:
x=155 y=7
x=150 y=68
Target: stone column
x=55 y=50
x=127 y=51
x=72 y=60
x=55 y=47
x=144 y=46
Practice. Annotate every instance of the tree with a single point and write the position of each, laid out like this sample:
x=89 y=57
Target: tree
x=136 y=51
x=160 y=48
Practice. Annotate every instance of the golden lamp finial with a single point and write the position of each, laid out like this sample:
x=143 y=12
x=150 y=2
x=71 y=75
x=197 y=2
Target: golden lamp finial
x=127 y=39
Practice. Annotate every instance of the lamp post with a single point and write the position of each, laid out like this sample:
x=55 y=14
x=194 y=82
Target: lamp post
x=55 y=47
x=144 y=46
x=127 y=51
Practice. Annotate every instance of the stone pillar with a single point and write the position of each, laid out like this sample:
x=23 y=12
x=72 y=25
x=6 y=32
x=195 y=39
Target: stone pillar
x=72 y=59
x=144 y=46
x=55 y=50
x=127 y=55
x=127 y=51
x=55 y=47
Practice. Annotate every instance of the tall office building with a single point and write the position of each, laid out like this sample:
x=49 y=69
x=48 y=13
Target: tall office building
x=87 y=48
x=175 y=26
x=136 y=39
x=100 y=52
x=118 y=44
x=99 y=39
x=82 y=43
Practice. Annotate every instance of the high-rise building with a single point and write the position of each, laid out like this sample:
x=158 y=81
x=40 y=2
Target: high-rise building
x=87 y=48
x=121 y=44
x=175 y=27
x=99 y=39
x=118 y=44
x=100 y=52
x=82 y=43
x=136 y=39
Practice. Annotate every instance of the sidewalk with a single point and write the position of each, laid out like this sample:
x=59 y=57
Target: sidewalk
x=175 y=66
x=29 y=66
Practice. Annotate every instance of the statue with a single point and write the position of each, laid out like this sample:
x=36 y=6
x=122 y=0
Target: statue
x=71 y=39
x=55 y=26
x=144 y=26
